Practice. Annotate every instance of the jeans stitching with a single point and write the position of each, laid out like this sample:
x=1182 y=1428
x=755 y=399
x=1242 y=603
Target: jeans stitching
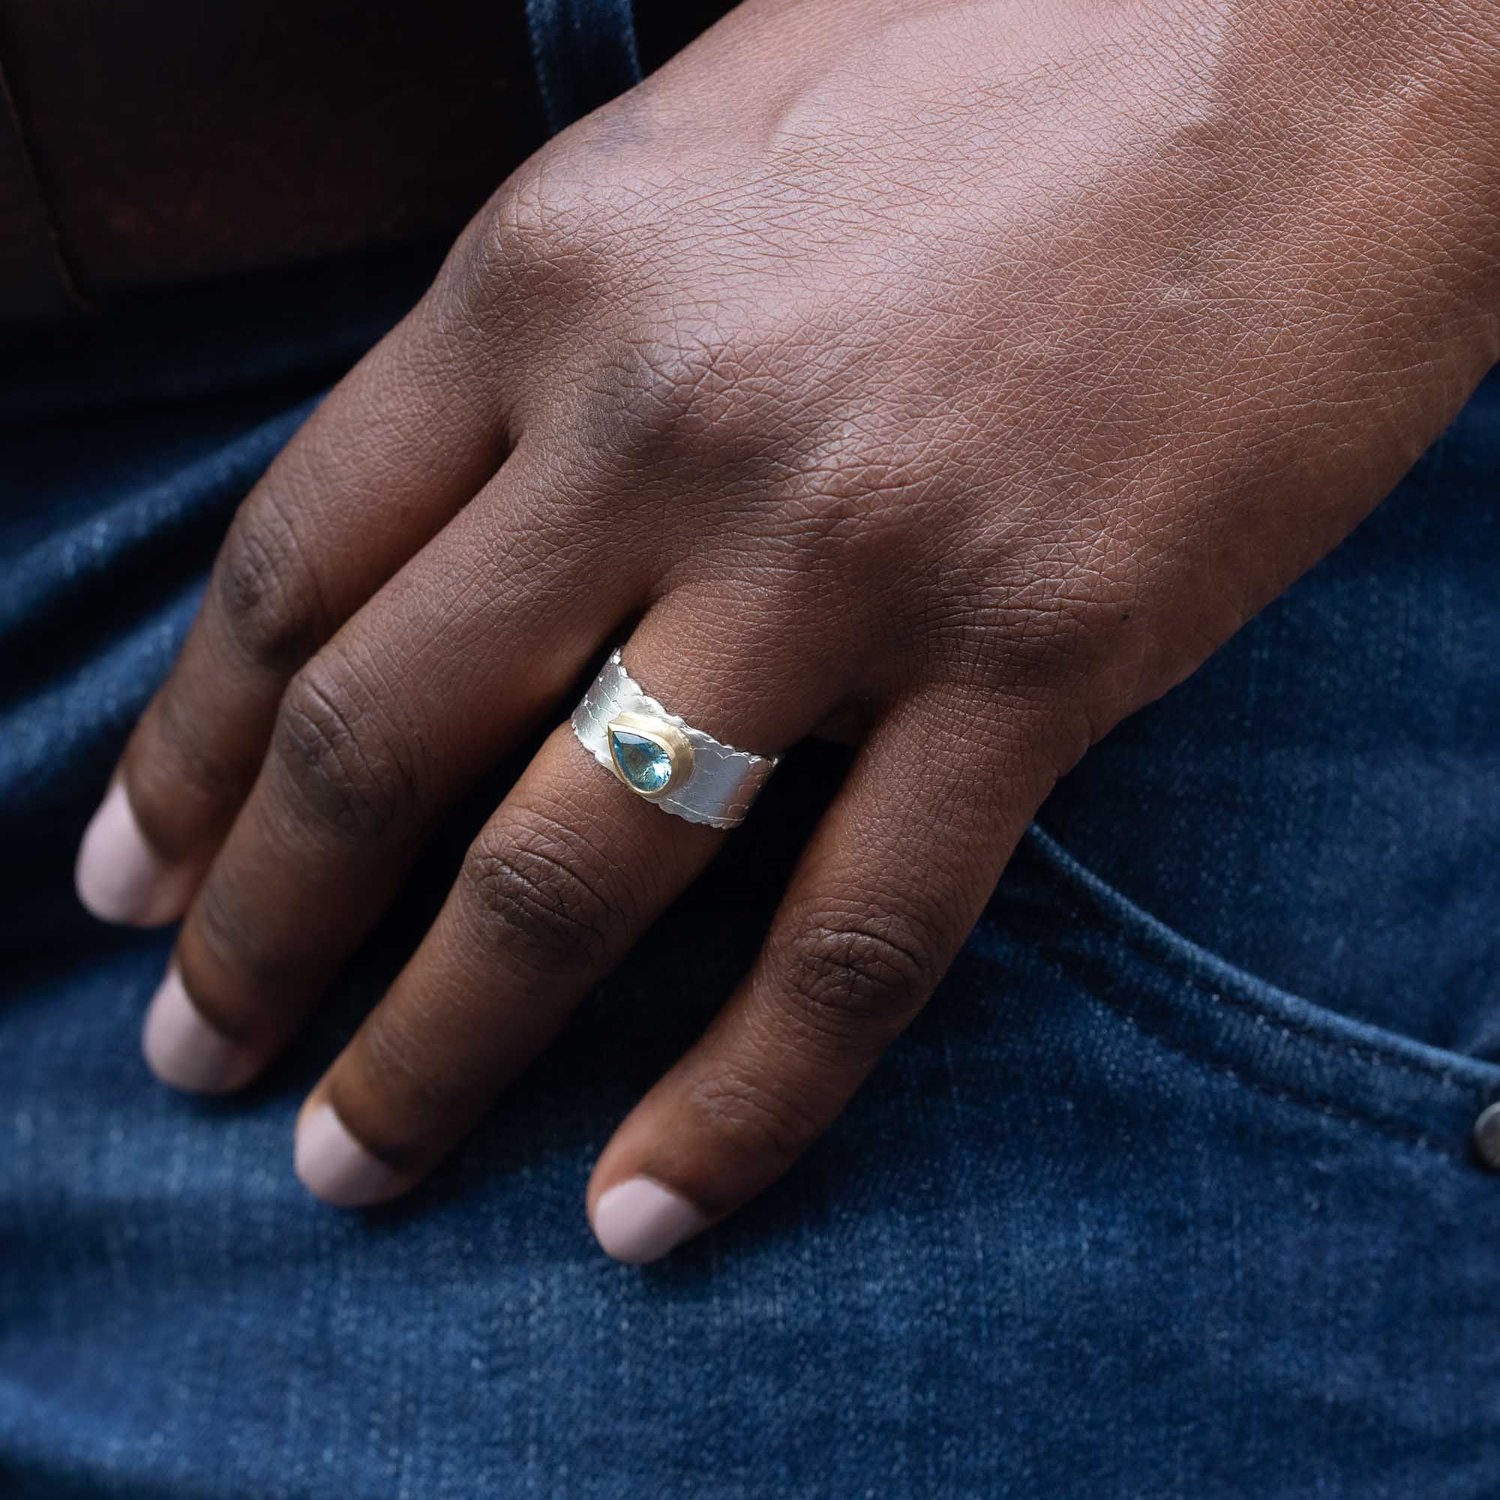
x=1315 y=1102
x=1142 y=946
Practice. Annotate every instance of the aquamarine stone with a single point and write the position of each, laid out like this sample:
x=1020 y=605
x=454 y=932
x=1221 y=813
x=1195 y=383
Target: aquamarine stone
x=643 y=763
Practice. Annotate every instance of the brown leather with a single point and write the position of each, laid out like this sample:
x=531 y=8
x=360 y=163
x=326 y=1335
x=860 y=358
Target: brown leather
x=153 y=141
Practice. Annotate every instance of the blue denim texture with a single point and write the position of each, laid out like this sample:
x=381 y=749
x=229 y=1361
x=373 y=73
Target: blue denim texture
x=1169 y=1193
x=585 y=54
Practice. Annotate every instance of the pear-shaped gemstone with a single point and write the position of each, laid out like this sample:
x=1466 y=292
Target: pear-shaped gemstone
x=643 y=763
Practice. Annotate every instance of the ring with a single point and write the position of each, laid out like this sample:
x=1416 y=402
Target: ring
x=661 y=758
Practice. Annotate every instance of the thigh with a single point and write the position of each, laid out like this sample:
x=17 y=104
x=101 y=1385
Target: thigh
x=1124 y=1214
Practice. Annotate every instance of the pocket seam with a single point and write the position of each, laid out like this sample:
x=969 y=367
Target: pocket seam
x=1316 y=1103
x=1149 y=946
x=1306 y=1061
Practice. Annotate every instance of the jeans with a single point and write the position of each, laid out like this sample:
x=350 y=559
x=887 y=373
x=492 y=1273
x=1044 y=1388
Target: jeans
x=1169 y=1193
x=585 y=54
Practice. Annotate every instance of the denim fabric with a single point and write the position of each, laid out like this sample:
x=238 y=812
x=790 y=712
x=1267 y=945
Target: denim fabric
x=585 y=54
x=1334 y=780
x=1135 y=1209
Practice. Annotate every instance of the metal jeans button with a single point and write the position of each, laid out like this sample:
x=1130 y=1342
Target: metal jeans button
x=1487 y=1136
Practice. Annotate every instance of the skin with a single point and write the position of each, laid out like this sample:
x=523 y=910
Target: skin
x=971 y=370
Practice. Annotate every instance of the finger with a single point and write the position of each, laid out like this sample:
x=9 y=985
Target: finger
x=396 y=448
x=560 y=883
x=420 y=694
x=896 y=875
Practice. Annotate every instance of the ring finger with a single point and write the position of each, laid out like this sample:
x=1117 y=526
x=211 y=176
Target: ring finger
x=557 y=887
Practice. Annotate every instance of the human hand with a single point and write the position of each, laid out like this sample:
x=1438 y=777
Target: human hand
x=980 y=368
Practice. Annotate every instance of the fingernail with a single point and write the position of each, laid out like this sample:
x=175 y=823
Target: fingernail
x=640 y=1220
x=333 y=1166
x=185 y=1051
x=119 y=876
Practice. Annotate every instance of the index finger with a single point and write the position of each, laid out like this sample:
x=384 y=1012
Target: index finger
x=399 y=445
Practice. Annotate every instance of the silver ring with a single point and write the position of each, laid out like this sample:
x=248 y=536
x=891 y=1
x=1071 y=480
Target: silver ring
x=661 y=758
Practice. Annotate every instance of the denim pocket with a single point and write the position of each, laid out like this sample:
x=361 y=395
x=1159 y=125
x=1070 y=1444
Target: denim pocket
x=1229 y=1021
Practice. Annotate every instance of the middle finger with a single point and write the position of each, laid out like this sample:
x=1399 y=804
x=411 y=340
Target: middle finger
x=557 y=887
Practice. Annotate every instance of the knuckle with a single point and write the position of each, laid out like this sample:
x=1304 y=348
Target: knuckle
x=183 y=780
x=532 y=894
x=756 y=414
x=750 y=1117
x=560 y=225
x=849 y=499
x=853 y=970
x=703 y=392
x=1050 y=634
x=681 y=385
x=536 y=216
x=264 y=590
x=335 y=750
x=241 y=968
x=414 y=1082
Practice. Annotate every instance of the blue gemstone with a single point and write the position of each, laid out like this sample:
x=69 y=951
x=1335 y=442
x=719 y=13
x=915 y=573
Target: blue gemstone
x=643 y=763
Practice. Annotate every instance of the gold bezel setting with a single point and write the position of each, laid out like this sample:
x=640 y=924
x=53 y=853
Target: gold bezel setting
x=643 y=745
x=667 y=738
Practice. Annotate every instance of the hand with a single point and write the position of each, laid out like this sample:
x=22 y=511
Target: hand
x=980 y=368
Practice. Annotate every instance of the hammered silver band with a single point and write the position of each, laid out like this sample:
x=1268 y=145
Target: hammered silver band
x=631 y=735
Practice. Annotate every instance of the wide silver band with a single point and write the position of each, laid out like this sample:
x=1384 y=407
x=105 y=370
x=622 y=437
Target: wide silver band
x=709 y=782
